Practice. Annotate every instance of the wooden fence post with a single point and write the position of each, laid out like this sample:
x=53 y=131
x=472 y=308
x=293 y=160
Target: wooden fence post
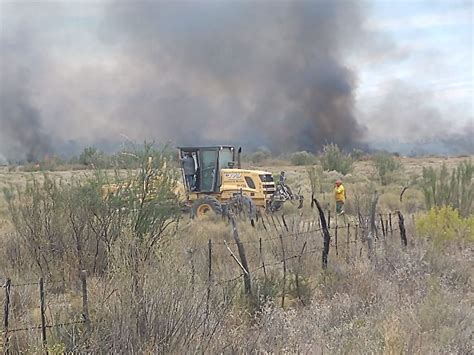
x=85 y=303
x=284 y=222
x=243 y=258
x=261 y=258
x=43 y=312
x=348 y=242
x=335 y=239
x=401 y=225
x=382 y=225
x=390 y=222
x=326 y=235
x=6 y=313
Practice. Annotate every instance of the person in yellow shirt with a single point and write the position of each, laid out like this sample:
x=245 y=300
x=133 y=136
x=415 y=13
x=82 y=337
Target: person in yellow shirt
x=340 y=195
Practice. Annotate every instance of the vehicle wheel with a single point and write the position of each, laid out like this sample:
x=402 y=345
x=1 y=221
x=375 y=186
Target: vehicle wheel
x=275 y=206
x=205 y=205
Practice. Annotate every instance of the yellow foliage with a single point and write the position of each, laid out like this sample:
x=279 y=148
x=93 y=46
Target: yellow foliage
x=444 y=225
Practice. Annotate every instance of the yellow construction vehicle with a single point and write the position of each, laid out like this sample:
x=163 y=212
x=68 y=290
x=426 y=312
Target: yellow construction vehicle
x=215 y=181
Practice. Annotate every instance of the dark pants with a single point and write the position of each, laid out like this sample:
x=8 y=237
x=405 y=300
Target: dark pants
x=190 y=181
x=339 y=206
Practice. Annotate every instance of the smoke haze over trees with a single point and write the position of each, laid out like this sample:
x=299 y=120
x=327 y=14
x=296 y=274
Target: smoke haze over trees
x=259 y=74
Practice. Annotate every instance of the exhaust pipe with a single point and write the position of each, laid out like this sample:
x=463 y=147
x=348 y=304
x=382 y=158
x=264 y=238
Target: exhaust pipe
x=239 y=163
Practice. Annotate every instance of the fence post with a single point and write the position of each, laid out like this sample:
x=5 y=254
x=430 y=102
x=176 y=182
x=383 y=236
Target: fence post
x=335 y=239
x=85 y=303
x=326 y=235
x=243 y=258
x=390 y=222
x=382 y=224
x=348 y=241
x=43 y=312
x=6 y=312
x=284 y=222
x=401 y=224
x=261 y=258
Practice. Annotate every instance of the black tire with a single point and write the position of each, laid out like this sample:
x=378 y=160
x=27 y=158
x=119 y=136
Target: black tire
x=205 y=205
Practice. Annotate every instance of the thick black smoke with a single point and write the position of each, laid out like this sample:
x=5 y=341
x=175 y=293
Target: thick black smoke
x=271 y=74
x=258 y=73
x=22 y=135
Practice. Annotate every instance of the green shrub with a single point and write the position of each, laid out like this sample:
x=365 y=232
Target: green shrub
x=357 y=154
x=258 y=156
x=302 y=158
x=444 y=225
x=386 y=165
x=315 y=175
x=333 y=159
x=443 y=189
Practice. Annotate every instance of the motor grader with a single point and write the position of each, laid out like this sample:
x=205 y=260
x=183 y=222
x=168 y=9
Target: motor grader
x=221 y=185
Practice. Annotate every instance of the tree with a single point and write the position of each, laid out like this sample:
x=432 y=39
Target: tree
x=333 y=158
x=386 y=165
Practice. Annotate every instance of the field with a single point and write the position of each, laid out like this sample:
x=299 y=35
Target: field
x=174 y=284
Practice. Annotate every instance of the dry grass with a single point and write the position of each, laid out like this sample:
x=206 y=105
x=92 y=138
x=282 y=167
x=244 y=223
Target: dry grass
x=413 y=300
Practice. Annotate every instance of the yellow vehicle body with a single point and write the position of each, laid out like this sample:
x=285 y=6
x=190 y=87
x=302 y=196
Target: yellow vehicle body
x=213 y=180
x=249 y=183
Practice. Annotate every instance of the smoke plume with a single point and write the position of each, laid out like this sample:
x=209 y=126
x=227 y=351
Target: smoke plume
x=22 y=134
x=258 y=73
x=273 y=74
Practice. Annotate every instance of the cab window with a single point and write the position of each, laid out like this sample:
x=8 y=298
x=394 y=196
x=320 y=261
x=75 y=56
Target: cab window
x=249 y=182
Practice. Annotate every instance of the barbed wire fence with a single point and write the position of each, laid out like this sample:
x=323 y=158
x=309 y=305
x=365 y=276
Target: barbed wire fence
x=41 y=286
x=283 y=245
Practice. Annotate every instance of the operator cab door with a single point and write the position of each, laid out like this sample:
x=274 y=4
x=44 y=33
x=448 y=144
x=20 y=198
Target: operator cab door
x=208 y=169
x=194 y=155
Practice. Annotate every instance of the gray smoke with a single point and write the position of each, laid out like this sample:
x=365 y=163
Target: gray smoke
x=268 y=74
x=22 y=135
x=417 y=126
x=258 y=73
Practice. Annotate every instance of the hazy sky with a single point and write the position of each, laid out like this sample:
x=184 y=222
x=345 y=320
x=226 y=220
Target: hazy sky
x=75 y=73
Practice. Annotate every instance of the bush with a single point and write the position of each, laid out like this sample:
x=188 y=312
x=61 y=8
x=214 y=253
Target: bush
x=302 y=158
x=49 y=215
x=386 y=165
x=443 y=189
x=258 y=156
x=444 y=225
x=333 y=159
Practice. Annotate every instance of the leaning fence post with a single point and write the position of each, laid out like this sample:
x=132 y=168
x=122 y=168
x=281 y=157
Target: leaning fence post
x=326 y=235
x=85 y=304
x=401 y=224
x=261 y=257
x=6 y=312
x=243 y=258
x=43 y=312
